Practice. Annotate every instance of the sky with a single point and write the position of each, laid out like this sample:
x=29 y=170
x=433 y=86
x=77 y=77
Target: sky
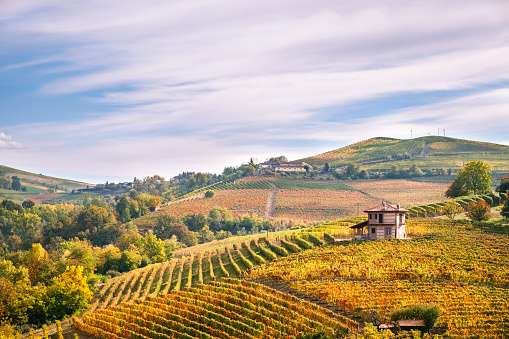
x=112 y=90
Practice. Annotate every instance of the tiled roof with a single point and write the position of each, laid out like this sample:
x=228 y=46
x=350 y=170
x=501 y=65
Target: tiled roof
x=505 y=177
x=361 y=225
x=385 y=207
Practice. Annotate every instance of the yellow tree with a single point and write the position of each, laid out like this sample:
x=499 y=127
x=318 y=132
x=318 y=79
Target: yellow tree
x=68 y=293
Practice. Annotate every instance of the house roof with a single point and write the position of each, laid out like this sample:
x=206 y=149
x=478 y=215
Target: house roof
x=505 y=177
x=385 y=207
x=361 y=225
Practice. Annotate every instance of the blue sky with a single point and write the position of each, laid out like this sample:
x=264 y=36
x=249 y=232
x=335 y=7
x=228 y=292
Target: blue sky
x=110 y=90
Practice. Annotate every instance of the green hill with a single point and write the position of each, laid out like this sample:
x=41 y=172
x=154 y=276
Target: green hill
x=37 y=184
x=425 y=152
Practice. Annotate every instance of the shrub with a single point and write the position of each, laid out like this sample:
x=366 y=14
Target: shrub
x=451 y=208
x=479 y=210
x=209 y=194
x=427 y=313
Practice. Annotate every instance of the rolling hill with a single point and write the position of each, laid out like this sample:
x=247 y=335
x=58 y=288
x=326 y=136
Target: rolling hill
x=425 y=152
x=37 y=186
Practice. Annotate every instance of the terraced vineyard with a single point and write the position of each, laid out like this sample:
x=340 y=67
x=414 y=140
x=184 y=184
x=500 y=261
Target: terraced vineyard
x=461 y=267
x=189 y=271
x=226 y=309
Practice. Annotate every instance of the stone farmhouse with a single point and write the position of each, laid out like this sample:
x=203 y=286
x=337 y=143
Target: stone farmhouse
x=384 y=222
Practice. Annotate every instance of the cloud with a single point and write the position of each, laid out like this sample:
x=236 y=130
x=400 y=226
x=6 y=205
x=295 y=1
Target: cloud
x=201 y=84
x=6 y=144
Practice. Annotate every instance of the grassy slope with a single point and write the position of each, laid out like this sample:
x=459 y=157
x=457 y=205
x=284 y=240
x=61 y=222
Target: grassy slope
x=442 y=152
x=35 y=184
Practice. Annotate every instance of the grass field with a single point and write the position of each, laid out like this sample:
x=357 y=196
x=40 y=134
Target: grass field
x=442 y=152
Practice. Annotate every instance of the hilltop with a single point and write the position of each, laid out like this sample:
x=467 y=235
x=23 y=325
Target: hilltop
x=425 y=152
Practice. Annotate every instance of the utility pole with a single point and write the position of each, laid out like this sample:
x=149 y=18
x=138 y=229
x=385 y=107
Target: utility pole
x=411 y=134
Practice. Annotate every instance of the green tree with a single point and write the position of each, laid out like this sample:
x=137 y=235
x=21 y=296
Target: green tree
x=504 y=211
x=205 y=235
x=194 y=222
x=209 y=194
x=164 y=225
x=474 y=177
x=153 y=248
x=479 y=210
x=68 y=293
x=326 y=167
x=451 y=208
x=16 y=183
x=27 y=204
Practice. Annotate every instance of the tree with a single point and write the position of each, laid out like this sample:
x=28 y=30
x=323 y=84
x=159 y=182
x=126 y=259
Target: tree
x=326 y=167
x=194 y=222
x=505 y=209
x=153 y=248
x=27 y=204
x=16 y=184
x=475 y=177
x=93 y=218
x=209 y=194
x=456 y=189
x=164 y=225
x=68 y=293
x=451 y=208
x=479 y=210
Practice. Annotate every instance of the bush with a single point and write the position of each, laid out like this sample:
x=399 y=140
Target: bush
x=209 y=194
x=427 y=313
x=479 y=210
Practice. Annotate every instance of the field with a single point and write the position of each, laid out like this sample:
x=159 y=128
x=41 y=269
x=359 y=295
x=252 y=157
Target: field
x=226 y=309
x=240 y=201
x=406 y=192
x=461 y=267
x=303 y=200
x=315 y=205
x=313 y=185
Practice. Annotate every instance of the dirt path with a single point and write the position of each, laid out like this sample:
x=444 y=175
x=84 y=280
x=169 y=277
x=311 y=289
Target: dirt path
x=424 y=150
x=271 y=201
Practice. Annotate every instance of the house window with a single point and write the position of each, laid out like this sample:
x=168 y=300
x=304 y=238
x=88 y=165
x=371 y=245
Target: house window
x=387 y=231
x=373 y=230
x=376 y=216
x=381 y=218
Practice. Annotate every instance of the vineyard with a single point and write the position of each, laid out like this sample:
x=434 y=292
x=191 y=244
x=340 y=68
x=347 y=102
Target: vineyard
x=227 y=309
x=238 y=201
x=189 y=271
x=460 y=267
x=315 y=205
x=312 y=185
x=406 y=192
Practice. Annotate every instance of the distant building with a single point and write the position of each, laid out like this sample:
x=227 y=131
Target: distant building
x=384 y=222
x=292 y=166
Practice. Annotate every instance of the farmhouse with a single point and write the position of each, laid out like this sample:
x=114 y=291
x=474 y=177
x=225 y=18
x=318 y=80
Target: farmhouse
x=384 y=222
x=293 y=166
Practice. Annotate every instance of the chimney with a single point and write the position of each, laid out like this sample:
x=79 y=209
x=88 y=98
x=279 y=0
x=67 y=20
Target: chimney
x=398 y=206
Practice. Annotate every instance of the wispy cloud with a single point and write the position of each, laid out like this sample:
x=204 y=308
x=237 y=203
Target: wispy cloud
x=221 y=80
x=5 y=142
